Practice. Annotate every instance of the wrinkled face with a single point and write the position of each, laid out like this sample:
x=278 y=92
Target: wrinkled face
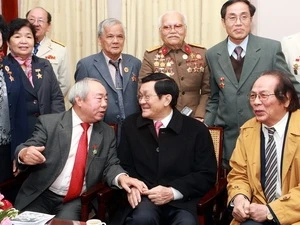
x=22 y=42
x=173 y=30
x=153 y=107
x=237 y=22
x=38 y=17
x=268 y=110
x=93 y=108
x=112 y=41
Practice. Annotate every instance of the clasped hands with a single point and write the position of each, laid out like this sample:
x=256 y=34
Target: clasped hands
x=244 y=210
x=159 y=195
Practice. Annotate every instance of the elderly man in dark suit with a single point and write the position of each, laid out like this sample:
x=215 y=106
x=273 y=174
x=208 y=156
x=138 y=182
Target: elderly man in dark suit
x=54 y=154
x=118 y=72
x=235 y=64
x=172 y=153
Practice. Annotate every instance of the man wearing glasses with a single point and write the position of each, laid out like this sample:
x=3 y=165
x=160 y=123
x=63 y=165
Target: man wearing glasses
x=263 y=184
x=235 y=64
x=49 y=49
x=183 y=62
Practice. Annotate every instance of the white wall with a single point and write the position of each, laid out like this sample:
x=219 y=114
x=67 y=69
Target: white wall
x=276 y=18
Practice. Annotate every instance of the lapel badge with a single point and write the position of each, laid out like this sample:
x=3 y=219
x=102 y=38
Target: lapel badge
x=39 y=75
x=184 y=56
x=95 y=151
x=222 y=84
x=11 y=78
x=133 y=78
x=126 y=69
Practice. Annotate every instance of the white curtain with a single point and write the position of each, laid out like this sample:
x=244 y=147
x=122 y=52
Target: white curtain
x=140 y=18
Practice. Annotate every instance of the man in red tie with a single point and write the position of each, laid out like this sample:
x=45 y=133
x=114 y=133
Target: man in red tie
x=69 y=153
x=172 y=153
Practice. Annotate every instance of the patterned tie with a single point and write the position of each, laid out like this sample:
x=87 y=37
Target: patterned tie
x=157 y=126
x=78 y=172
x=271 y=167
x=36 y=48
x=238 y=51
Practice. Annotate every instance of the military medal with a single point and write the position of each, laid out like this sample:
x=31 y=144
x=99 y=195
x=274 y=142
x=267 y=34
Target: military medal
x=184 y=56
x=39 y=75
x=222 y=84
x=156 y=64
x=126 y=69
x=189 y=69
x=198 y=56
x=11 y=78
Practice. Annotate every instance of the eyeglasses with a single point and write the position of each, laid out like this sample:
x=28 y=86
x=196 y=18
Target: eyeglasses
x=262 y=96
x=146 y=97
x=176 y=27
x=242 y=18
x=39 y=21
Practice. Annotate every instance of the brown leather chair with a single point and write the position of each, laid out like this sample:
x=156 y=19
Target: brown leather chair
x=212 y=204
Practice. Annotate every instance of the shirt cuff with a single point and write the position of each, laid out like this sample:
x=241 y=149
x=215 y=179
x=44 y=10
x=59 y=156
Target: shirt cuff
x=115 y=182
x=177 y=194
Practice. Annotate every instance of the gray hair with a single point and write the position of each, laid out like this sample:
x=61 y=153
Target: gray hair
x=108 y=23
x=80 y=89
x=171 y=12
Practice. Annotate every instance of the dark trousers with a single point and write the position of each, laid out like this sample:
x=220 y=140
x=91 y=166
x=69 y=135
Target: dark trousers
x=251 y=222
x=147 y=213
x=51 y=203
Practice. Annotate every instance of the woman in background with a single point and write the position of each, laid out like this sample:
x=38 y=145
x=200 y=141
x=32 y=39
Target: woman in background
x=13 y=120
x=41 y=88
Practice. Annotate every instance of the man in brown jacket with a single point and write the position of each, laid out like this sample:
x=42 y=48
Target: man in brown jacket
x=185 y=63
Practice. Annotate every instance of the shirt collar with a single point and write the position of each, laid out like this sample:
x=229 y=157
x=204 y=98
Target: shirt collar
x=279 y=127
x=107 y=58
x=231 y=46
x=165 y=121
x=76 y=120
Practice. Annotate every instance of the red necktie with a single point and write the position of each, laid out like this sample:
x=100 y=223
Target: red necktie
x=157 y=126
x=78 y=172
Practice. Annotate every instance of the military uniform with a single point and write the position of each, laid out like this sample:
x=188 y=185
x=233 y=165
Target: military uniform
x=187 y=66
x=56 y=53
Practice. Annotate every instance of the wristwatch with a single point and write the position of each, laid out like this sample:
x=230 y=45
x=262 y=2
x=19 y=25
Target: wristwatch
x=269 y=216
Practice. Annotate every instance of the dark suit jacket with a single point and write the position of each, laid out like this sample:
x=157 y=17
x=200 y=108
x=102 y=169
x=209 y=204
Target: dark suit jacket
x=54 y=131
x=17 y=106
x=229 y=106
x=95 y=66
x=182 y=157
x=46 y=92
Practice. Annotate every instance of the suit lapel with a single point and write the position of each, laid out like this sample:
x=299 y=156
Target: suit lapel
x=251 y=59
x=65 y=136
x=101 y=66
x=95 y=143
x=225 y=64
x=127 y=73
x=291 y=145
x=44 y=48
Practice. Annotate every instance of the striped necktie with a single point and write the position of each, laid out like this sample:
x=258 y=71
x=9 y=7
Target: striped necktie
x=271 y=167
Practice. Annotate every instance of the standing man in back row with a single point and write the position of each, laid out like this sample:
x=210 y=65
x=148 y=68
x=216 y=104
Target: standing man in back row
x=183 y=62
x=49 y=49
x=118 y=72
x=235 y=64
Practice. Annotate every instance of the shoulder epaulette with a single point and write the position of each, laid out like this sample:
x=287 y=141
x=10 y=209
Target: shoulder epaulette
x=59 y=43
x=195 y=45
x=153 y=48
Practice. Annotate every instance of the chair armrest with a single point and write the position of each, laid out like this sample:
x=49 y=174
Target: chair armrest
x=212 y=194
x=86 y=198
x=104 y=196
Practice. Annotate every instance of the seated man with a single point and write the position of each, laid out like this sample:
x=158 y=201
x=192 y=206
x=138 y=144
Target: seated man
x=172 y=153
x=62 y=162
x=263 y=185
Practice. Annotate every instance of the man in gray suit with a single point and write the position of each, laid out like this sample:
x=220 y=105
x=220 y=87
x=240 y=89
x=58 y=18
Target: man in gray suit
x=235 y=64
x=119 y=79
x=51 y=155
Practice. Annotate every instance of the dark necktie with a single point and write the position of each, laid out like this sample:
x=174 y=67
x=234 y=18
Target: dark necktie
x=36 y=48
x=271 y=167
x=157 y=126
x=119 y=87
x=238 y=51
x=78 y=173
